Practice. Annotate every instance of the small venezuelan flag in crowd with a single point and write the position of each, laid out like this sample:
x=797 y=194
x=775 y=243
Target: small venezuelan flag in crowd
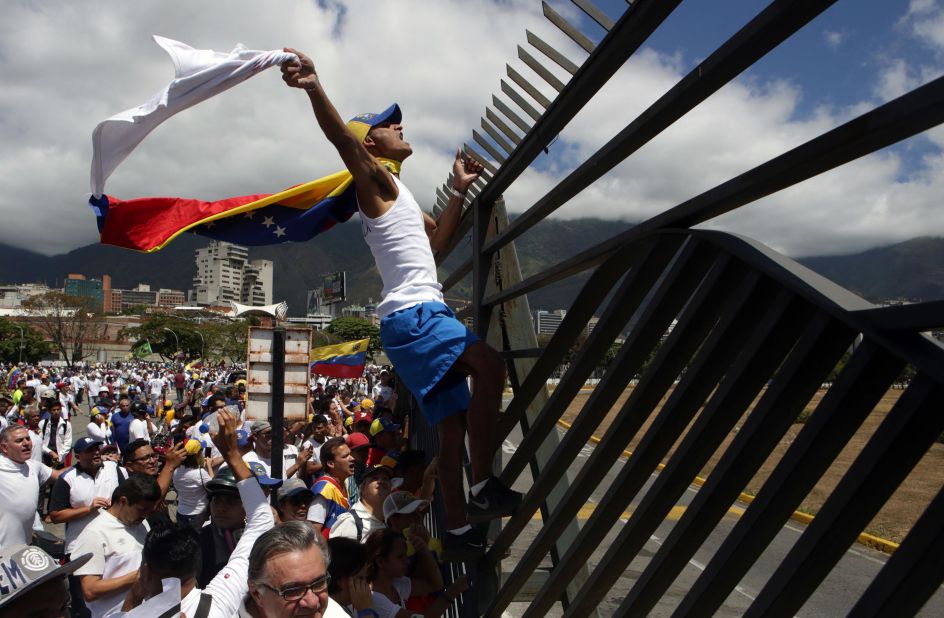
x=12 y=378
x=341 y=360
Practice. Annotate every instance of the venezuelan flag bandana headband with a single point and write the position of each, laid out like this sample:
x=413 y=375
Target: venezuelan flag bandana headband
x=148 y=224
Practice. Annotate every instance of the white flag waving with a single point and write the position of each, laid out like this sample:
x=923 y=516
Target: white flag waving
x=198 y=75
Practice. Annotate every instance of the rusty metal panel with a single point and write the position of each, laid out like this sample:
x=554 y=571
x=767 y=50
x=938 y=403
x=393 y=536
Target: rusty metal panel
x=259 y=371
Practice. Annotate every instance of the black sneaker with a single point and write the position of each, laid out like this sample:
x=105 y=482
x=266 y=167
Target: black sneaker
x=494 y=501
x=465 y=547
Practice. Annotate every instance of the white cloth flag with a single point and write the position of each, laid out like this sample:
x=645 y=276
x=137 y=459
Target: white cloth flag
x=198 y=75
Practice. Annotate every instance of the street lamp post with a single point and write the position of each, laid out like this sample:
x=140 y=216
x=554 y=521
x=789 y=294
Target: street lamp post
x=202 y=342
x=21 y=343
x=176 y=340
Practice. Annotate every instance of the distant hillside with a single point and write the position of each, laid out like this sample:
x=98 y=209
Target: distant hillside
x=913 y=269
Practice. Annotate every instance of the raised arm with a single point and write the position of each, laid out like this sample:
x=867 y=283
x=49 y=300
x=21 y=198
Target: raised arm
x=375 y=188
x=465 y=171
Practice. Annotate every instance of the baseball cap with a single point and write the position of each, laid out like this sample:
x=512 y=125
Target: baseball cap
x=260 y=426
x=262 y=475
x=381 y=425
x=347 y=422
x=356 y=440
x=373 y=471
x=402 y=503
x=28 y=567
x=242 y=437
x=361 y=124
x=292 y=487
x=363 y=416
x=367 y=403
x=83 y=444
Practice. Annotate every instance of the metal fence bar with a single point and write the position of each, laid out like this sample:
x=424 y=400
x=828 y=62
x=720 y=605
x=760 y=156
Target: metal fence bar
x=517 y=330
x=559 y=59
x=914 y=317
x=903 y=117
x=502 y=126
x=904 y=436
x=525 y=85
x=696 y=320
x=510 y=114
x=632 y=291
x=815 y=354
x=633 y=28
x=701 y=377
x=759 y=356
x=643 y=256
x=668 y=296
x=541 y=70
x=762 y=34
x=594 y=13
x=912 y=574
x=575 y=35
x=863 y=381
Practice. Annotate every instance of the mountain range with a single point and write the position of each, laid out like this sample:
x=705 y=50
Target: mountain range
x=913 y=269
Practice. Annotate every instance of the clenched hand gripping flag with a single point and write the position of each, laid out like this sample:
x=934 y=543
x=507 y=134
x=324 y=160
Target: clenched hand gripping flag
x=148 y=224
x=341 y=360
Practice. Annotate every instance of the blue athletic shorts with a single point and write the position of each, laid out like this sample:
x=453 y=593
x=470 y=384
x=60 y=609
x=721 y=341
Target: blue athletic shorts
x=423 y=342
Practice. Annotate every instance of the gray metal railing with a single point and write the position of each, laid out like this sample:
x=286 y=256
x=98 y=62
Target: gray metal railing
x=755 y=336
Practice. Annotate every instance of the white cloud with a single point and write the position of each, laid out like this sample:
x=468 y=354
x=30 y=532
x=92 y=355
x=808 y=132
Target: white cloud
x=833 y=38
x=69 y=65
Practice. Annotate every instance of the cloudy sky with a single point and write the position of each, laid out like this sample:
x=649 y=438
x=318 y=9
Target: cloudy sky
x=66 y=66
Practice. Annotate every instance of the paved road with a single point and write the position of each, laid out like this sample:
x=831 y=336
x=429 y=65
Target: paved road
x=835 y=596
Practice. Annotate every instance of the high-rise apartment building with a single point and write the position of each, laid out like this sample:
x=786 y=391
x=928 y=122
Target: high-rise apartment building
x=226 y=274
x=547 y=322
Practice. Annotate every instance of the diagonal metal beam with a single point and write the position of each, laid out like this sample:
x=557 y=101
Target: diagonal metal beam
x=908 y=115
x=762 y=34
x=629 y=33
x=541 y=70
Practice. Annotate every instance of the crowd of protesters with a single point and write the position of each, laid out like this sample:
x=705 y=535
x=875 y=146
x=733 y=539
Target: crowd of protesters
x=169 y=501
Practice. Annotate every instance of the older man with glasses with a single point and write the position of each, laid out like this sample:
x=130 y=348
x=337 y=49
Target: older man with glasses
x=288 y=574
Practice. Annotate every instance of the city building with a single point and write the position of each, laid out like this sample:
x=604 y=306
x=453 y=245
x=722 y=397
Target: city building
x=13 y=295
x=547 y=322
x=94 y=289
x=143 y=295
x=225 y=274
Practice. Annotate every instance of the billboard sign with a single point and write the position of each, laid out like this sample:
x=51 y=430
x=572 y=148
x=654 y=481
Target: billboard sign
x=335 y=287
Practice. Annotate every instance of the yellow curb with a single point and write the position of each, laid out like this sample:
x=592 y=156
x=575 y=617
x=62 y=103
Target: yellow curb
x=866 y=539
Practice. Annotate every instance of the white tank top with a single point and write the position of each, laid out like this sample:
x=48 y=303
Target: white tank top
x=404 y=258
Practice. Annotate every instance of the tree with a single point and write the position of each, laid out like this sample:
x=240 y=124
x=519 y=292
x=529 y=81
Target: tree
x=353 y=329
x=169 y=334
x=34 y=346
x=67 y=321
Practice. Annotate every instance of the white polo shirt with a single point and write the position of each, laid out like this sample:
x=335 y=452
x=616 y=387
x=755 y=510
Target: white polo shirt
x=75 y=488
x=19 y=495
x=116 y=551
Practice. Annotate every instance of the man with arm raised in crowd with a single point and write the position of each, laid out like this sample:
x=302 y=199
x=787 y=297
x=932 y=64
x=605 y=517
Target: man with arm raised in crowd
x=431 y=350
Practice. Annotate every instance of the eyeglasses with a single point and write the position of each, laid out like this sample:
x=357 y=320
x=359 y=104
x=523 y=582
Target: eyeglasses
x=146 y=457
x=296 y=593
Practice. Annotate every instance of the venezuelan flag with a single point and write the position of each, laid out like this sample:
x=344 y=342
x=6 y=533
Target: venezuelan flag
x=328 y=487
x=296 y=214
x=12 y=378
x=197 y=364
x=341 y=360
